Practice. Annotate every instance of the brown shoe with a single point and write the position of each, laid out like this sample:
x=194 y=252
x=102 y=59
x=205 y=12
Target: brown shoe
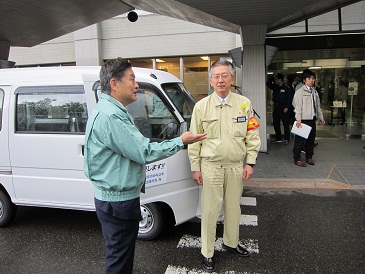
x=299 y=163
x=310 y=162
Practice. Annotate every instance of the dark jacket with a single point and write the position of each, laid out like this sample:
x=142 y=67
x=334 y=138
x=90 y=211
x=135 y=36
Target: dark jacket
x=281 y=94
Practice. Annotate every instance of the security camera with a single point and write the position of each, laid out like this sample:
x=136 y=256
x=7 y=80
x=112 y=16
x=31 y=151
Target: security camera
x=132 y=16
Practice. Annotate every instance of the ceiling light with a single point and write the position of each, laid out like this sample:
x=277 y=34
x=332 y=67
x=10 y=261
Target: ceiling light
x=160 y=61
x=205 y=58
x=315 y=67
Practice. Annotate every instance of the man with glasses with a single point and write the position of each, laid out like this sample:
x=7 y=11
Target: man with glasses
x=217 y=163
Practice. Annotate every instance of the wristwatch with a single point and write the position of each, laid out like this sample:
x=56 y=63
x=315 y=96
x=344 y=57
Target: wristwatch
x=251 y=165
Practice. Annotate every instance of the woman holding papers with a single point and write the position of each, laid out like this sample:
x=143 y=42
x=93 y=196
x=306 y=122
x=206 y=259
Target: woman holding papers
x=307 y=110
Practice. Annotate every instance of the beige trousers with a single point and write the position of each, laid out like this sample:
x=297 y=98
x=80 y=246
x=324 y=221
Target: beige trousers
x=220 y=184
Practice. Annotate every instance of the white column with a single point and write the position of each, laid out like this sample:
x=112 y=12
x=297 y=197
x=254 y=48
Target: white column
x=254 y=73
x=181 y=69
x=88 y=46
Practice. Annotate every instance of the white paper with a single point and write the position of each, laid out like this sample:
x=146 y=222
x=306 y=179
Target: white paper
x=302 y=131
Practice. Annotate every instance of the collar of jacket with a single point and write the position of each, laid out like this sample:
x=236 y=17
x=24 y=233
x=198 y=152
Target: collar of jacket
x=218 y=103
x=113 y=101
x=307 y=90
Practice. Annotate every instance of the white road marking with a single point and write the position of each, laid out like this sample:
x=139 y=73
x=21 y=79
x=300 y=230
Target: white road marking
x=249 y=201
x=183 y=270
x=249 y=220
x=190 y=241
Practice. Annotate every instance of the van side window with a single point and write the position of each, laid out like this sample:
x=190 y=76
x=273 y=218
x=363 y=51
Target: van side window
x=151 y=114
x=51 y=109
x=1 y=107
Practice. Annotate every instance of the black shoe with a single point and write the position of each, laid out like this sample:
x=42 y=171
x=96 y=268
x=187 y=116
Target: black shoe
x=239 y=250
x=276 y=141
x=208 y=264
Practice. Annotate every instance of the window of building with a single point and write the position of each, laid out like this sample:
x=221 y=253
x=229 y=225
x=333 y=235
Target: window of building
x=338 y=78
x=196 y=76
x=353 y=17
x=51 y=109
x=324 y=22
x=142 y=63
x=169 y=64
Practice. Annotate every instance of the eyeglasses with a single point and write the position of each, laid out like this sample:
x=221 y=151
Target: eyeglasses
x=223 y=75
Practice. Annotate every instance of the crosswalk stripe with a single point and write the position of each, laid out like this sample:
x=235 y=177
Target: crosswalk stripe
x=183 y=270
x=190 y=241
x=248 y=201
x=248 y=220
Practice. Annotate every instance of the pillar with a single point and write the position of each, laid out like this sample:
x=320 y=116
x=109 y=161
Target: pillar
x=254 y=73
x=88 y=46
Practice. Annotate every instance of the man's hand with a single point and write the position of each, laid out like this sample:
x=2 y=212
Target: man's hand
x=285 y=110
x=197 y=177
x=189 y=138
x=247 y=172
x=323 y=122
x=299 y=123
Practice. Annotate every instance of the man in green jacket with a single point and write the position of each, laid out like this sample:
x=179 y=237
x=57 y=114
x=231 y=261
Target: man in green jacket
x=115 y=157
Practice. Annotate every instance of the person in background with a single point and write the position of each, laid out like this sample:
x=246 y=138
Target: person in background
x=331 y=93
x=282 y=103
x=341 y=95
x=307 y=111
x=319 y=90
x=115 y=157
x=217 y=163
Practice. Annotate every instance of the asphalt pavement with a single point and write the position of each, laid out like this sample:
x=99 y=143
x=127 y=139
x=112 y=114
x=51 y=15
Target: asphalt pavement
x=294 y=220
x=294 y=230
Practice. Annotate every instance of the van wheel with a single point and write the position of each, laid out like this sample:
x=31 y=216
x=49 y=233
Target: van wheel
x=151 y=225
x=7 y=209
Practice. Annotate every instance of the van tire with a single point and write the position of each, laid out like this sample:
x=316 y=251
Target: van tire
x=152 y=223
x=7 y=209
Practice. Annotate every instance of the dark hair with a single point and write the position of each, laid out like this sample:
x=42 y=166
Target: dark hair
x=279 y=76
x=113 y=68
x=222 y=62
x=307 y=73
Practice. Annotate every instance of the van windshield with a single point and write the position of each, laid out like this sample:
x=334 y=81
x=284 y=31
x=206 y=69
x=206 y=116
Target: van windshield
x=181 y=98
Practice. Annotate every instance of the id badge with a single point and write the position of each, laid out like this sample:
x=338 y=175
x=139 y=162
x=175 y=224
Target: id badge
x=241 y=119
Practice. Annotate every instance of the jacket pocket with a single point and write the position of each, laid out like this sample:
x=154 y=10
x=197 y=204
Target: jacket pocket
x=211 y=127
x=239 y=129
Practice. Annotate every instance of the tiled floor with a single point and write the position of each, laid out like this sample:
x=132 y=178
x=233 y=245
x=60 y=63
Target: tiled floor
x=338 y=157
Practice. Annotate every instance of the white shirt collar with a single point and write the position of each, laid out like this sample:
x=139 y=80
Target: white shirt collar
x=223 y=101
x=309 y=88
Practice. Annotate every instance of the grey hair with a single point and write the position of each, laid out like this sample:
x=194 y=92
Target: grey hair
x=113 y=68
x=222 y=62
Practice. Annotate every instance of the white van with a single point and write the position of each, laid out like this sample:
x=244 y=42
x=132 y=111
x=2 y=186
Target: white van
x=43 y=114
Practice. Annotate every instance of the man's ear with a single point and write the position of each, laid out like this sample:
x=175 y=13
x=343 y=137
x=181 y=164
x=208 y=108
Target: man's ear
x=113 y=83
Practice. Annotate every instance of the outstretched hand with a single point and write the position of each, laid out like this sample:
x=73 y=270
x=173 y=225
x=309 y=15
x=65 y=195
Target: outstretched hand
x=189 y=138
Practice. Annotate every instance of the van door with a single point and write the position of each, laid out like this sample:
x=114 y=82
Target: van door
x=47 y=125
x=4 y=155
x=5 y=169
x=170 y=180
